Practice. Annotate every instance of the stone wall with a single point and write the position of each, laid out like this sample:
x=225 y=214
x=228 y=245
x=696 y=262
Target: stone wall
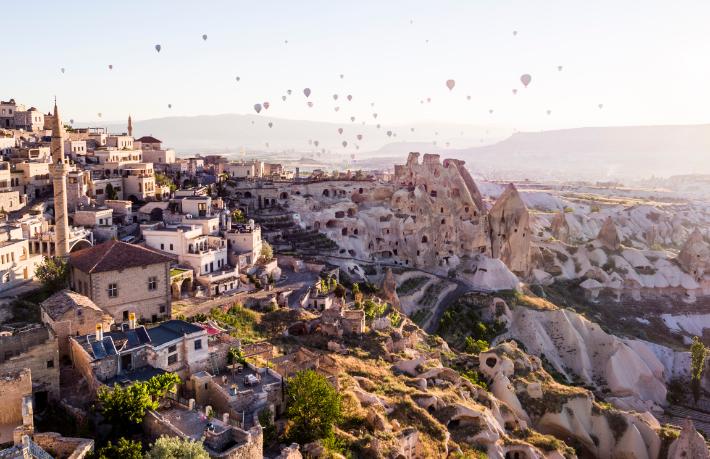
x=83 y=362
x=64 y=447
x=13 y=388
x=35 y=349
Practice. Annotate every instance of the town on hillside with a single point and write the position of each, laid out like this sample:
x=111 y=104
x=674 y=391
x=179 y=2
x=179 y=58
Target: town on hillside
x=241 y=309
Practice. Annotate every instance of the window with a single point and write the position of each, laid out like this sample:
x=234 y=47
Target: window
x=125 y=315
x=171 y=247
x=172 y=348
x=198 y=344
x=50 y=363
x=172 y=359
x=162 y=309
x=153 y=283
x=162 y=246
x=112 y=290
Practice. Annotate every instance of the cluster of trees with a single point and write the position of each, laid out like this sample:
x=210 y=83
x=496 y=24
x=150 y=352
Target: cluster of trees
x=53 y=273
x=126 y=405
x=163 y=448
x=698 y=354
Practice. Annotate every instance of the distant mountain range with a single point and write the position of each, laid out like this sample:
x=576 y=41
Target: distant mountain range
x=593 y=153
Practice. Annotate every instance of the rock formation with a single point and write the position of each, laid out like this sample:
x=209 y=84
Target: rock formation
x=560 y=227
x=509 y=231
x=694 y=257
x=389 y=290
x=608 y=235
x=690 y=444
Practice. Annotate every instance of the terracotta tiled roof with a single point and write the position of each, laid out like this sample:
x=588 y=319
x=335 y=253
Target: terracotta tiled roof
x=58 y=304
x=114 y=255
x=148 y=139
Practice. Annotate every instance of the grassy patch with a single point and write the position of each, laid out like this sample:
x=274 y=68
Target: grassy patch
x=411 y=285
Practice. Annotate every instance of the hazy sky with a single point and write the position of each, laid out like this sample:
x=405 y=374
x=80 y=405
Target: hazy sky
x=646 y=61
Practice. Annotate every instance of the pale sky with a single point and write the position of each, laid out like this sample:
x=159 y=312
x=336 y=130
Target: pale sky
x=647 y=62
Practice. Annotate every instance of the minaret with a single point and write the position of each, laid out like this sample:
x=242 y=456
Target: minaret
x=130 y=126
x=58 y=170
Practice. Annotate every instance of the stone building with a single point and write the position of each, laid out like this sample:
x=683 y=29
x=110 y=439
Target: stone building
x=15 y=400
x=122 y=278
x=34 y=347
x=137 y=353
x=68 y=313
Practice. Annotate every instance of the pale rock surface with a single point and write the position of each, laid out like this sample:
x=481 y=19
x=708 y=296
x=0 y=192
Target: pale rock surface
x=689 y=444
x=510 y=236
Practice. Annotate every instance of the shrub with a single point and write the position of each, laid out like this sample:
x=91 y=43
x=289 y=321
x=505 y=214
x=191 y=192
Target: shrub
x=314 y=407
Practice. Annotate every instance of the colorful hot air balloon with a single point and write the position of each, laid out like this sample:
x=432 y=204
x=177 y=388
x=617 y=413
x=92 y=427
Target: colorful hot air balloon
x=335 y=97
x=307 y=92
x=549 y=112
x=271 y=124
x=62 y=69
x=490 y=111
x=515 y=32
x=559 y=68
x=71 y=121
x=525 y=79
x=352 y=118
x=378 y=125
x=515 y=91
x=283 y=98
x=204 y=37
x=350 y=98
x=110 y=66
x=468 y=97
x=450 y=84
x=389 y=133
x=238 y=78
x=158 y=48
x=99 y=114
x=170 y=105
x=345 y=143
x=374 y=115
x=266 y=105
x=359 y=136
x=340 y=130
x=310 y=104
x=337 y=108
x=257 y=108
x=315 y=142
x=601 y=106
x=288 y=91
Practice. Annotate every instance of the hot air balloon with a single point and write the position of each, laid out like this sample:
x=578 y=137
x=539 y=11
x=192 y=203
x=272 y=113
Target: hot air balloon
x=345 y=143
x=266 y=105
x=204 y=37
x=99 y=114
x=283 y=98
x=389 y=133
x=350 y=98
x=436 y=133
x=110 y=66
x=288 y=91
x=490 y=111
x=170 y=106
x=515 y=91
x=285 y=42
x=271 y=124
x=374 y=115
x=515 y=32
x=257 y=108
x=421 y=101
x=372 y=104
x=71 y=121
x=428 y=99
x=601 y=106
x=378 y=125
x=352 y=155
x=335 y=97
x=267 y=144
x=549 y=112
x=310 y=104
x=352 y=118
x=337 y=108
x=525 y=79
x=450 y=84
x=468 y=97
x=307 y=92
x=238 y=78
x=411 y=129
x=62 y=69
x=340 y=130
x=559 y=68
x=252 y=122
x=359 y=136
x=315 y=142
x=158 y=48
x=447 y=144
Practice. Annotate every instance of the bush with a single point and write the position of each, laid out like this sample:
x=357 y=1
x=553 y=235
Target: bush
x=475 y=346
x=314 y=407
x=176 y=448
x=124 y=449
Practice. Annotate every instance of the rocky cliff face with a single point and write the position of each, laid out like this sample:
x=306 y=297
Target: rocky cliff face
x=608 y=235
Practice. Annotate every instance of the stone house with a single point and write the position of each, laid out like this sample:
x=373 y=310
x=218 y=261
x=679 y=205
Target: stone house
x=136 y=353
x=68 y=313
x=122 y=278
x=16 y=402
x=33 y=347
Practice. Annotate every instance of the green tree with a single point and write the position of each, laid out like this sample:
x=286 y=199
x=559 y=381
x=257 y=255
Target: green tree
x=121 y=405
x=176 y=448
x=111 y=192
x=698 y=353
x=123 y=449
x=373 y=309
x=161 y=384
x=267 y=424
x=314 y=407
x=238 y=216
x=267 y=253
x=53 y=272
x=339 y=291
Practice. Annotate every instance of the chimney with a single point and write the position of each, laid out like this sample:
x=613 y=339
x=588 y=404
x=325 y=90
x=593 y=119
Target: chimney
x=99 y=332
x=132 y=320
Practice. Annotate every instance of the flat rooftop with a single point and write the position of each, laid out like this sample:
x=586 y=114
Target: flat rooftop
x=192 y=423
